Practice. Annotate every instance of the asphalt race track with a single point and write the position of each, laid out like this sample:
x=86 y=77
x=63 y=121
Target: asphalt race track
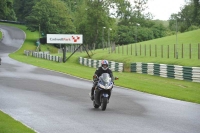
x=52 y=102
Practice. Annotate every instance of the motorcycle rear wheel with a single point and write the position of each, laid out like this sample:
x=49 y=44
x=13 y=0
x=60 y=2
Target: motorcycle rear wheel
x=104 y=103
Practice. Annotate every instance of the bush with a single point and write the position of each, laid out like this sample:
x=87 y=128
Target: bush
x=193 y=27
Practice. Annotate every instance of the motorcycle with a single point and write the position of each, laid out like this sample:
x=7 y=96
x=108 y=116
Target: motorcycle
x=102 y=91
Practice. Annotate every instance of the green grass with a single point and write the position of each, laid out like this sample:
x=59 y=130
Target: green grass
x=9 y=125
x=171 y=88
x=123 y=53
x=0 y=35
x=31 y=38
x=126 y=53
x=177 y=89
x=182 y=90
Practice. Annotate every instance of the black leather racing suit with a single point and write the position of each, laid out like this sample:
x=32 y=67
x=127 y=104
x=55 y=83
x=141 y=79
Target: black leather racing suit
x=98 y=72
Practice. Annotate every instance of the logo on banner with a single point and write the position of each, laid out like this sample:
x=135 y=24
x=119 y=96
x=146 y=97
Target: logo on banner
x=75 y=38
x=65 y=38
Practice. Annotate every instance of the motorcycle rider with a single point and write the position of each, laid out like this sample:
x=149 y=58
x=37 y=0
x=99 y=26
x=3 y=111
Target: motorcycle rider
x=103 y=69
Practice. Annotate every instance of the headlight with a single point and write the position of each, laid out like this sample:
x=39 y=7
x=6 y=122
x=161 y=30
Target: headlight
x=109 y=87
x=102 y=86
x=106 y=86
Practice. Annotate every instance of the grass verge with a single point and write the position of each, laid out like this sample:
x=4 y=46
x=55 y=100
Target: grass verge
x=176 y=89
x=1 y=35
x=9 y=125
x=172 y=88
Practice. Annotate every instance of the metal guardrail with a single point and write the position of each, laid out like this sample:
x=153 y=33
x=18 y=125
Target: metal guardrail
x=12 y=22
x=168 y=71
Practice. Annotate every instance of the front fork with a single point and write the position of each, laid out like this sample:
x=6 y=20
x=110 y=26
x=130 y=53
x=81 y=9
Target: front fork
x=106 y=96
x=99 y=94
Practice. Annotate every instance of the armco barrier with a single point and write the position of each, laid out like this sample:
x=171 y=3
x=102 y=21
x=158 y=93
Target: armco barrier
x=43 y=55
x=168 y=71
x=114 y=66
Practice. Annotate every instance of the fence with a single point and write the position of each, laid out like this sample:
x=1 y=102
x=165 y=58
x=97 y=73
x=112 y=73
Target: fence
x=114 y=66
x=43 y=55
x=72 y=48
x=168 y=71
x=186 y=51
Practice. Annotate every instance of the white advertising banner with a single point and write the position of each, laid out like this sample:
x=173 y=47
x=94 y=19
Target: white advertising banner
x=65 y=38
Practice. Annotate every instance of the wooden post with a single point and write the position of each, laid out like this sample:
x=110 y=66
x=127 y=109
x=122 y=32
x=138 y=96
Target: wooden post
x=162 y=51
x=140 y=49
x=122 y=48
x=150 y=49
x=190 y=51
x=155 y=50
x=182 y=50
x=199 y=51
x=127 y=49
x=131 y=49
x=135 y=50
x=118 y=48
x=168 y=52
x=174 y=50
x=115 y=48
x=145 y=50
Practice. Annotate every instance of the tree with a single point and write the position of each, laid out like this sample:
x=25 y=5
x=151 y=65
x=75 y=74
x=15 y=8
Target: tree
x=188 y=18
x=126 y=34
x=124 y=10
x=6 y=10
x=90 y=18
x=23 y=8
x=53 y=17
x=140 y=6
x=196 y=12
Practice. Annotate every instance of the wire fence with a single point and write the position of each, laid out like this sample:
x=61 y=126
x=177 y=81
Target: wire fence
x=182 y=51
x=186 y=51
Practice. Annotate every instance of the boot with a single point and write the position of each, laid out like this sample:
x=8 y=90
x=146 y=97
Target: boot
x=92 y=93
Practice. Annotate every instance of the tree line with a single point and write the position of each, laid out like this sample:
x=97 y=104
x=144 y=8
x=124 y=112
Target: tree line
x=99 y=21
x=188 y=18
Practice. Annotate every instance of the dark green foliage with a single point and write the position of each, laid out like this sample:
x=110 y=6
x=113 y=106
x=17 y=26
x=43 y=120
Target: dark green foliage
x=23 y=8
x=88 y=17
x=126 y=35
x=196 y=12
x=6 y=10
x=187 y=18
x=53 y=17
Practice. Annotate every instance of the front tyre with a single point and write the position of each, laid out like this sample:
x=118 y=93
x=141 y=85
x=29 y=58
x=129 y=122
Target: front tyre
x=104 y=103
x=95 y=105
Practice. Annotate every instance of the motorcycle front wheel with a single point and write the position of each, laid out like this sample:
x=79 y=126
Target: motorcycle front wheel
x=95 y=105
x=104 y=103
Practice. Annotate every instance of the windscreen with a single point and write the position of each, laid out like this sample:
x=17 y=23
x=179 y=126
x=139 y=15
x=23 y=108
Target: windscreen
x=105 y=78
